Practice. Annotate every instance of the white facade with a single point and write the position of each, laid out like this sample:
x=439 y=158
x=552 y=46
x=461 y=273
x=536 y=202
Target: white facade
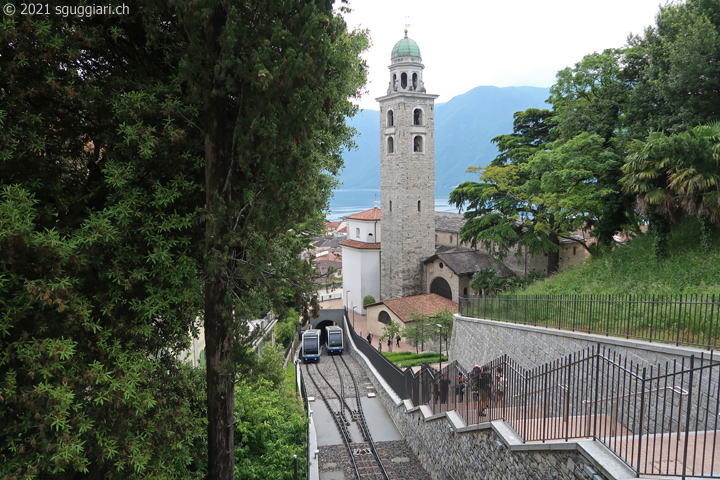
x=365 y=231
x=361 y=276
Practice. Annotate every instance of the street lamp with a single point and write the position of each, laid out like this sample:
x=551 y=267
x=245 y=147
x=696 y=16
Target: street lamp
x=354 y=316
x=440 y=327
x=346 y=298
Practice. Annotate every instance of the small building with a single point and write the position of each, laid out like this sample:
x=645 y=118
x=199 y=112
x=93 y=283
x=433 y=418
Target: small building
x=401 y=309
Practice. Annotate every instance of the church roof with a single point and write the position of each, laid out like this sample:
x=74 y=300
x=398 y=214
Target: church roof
x=427 y=304
x=372 y=214
x=469 y=262
x=406 y=47
x=449 y=221
x=356 y=244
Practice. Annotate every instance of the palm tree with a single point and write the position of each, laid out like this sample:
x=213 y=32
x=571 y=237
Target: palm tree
x=677 y=175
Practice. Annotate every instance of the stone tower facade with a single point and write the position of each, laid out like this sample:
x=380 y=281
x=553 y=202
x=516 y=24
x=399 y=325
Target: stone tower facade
x=407 y=174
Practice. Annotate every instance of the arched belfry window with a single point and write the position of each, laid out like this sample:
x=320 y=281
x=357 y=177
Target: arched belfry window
x=418 y=144
x=390 y=118
x=394 y=83
x=403 y=80
x=417 y=117
x=390 y=145
x=414 y=81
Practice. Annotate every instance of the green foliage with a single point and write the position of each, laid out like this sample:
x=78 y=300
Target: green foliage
x=368 y=300
x=269 y=365
x=270 y=429
x=285 y=329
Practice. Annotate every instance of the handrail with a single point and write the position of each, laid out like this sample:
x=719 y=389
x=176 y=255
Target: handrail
x=679 y=390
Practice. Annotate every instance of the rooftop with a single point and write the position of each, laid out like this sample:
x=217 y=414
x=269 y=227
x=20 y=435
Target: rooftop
x=427 y=304
x=406 y=47
x=372 y=214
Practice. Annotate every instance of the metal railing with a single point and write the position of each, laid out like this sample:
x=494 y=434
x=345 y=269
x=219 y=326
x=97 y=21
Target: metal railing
x=678 y=319
x=660 y=420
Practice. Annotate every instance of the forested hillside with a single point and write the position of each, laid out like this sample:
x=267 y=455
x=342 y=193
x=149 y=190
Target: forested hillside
x=631 y=137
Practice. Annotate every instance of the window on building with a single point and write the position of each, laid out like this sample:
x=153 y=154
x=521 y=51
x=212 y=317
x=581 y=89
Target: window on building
x=390 y=118
x=357 y=233
x=418 y=144
x=394 y=85
x=465 y=291
x=418 y=205
x=417 y=116
x=384 y=317
x=415 y=81
x=390 y=145
x=403 y=80
x=574 y=250
x=391 y=205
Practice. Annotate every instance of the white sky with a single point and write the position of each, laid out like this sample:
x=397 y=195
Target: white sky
x=469 y=43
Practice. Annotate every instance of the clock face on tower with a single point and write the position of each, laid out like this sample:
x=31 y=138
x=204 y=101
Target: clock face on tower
x=407 y=174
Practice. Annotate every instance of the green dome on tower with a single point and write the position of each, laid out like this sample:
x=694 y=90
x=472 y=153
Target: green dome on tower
x=406 y=47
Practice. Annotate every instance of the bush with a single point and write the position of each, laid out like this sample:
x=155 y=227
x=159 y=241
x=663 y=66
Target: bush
x=368 y=300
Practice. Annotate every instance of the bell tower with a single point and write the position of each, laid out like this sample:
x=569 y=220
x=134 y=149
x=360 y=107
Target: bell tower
x=407 y=174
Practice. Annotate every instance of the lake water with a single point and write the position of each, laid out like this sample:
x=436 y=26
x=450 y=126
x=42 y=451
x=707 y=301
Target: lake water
x=347 y=201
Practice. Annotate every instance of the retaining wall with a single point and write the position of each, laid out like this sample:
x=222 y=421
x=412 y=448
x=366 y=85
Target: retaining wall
x=450 y=450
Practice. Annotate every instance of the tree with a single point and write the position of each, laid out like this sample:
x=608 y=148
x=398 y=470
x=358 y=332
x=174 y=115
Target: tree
x=391 y=330
x=418 y=331
x=674 y=177
x=273 y=83
x=98 y=278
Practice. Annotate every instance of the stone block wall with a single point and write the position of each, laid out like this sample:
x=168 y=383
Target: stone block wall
x=449 y=451
x=477 y=341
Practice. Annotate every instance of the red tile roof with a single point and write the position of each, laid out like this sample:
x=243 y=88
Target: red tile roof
x=427 y=304
x=355 y=244
x=372 y=214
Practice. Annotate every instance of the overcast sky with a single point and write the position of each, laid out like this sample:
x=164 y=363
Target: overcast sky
x=469 y=43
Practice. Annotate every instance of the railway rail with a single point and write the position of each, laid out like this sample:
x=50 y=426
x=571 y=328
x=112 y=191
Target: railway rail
x=365 y=459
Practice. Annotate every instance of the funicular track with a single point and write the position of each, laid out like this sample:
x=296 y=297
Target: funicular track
x=364 y=457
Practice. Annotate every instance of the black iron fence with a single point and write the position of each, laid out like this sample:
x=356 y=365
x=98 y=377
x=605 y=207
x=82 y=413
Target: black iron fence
x=678 y=319
x=660 y=420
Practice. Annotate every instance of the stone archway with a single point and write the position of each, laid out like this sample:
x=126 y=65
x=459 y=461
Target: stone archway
x=440 y=286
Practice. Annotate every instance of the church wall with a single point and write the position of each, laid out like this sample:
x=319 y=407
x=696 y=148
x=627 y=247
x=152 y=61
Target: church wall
x=363 y=231
x=447 y=238
x=361 y=276
x=433 y=271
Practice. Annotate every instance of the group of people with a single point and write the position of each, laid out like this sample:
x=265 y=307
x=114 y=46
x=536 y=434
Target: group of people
x=369 y=339
x=483 y=387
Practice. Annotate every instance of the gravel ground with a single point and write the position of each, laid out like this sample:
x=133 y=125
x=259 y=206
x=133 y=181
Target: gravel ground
x=328 y=369
x=399 y=461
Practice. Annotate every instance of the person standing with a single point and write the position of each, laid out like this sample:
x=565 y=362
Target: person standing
x=499 y=388
x=484 y=386
x=389 y=344
x=397 y=340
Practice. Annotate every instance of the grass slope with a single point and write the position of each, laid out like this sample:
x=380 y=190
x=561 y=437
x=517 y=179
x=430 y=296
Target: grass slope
x=632 y=269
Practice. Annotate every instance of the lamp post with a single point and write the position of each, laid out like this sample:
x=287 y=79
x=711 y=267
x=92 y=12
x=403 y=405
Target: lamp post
x=440 y=327
x=354 y=316
x=346 y=297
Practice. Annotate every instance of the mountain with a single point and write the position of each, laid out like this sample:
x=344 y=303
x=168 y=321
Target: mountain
x=464 y=127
